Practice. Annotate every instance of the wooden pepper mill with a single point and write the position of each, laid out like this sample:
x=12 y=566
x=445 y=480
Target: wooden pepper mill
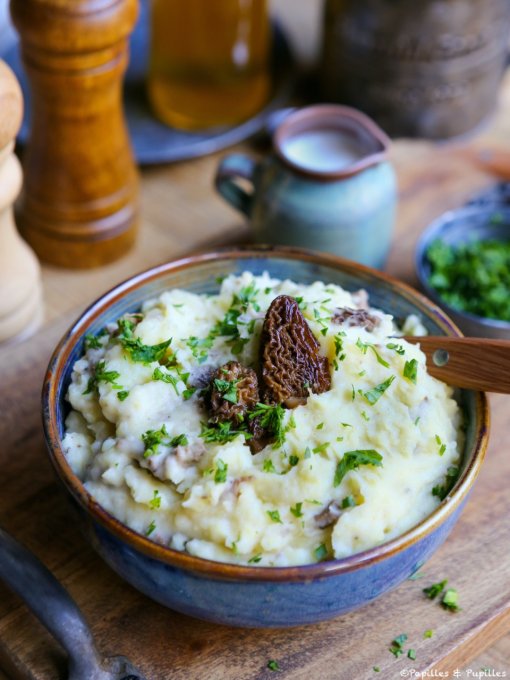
x=79 y=204
x=20 y=288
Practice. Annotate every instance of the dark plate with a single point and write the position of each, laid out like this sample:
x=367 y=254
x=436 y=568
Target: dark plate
x=154 y=142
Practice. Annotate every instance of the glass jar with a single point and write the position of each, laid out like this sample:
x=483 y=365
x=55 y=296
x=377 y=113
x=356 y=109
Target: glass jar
x=209 y=61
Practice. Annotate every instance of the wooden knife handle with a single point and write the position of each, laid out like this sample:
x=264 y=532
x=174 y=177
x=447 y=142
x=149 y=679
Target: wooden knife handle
x=473 y=363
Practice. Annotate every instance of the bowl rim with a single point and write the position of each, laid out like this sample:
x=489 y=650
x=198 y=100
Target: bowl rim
x=434 y=230
x=229 y=571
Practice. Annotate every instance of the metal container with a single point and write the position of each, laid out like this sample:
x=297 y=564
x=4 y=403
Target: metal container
x=426 y=68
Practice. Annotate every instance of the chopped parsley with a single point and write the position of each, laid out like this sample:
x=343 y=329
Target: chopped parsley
x=435 y=589
x=167 y=378
x=102 y=375
x=442 y=490
x=348 y=502
x=339 y=348
x=363 y=346
x=321 y=552
x=155 y=502
x=320 y=426
x=227 y=389
x=154 y=438
x=373 y=395
x=297 y=510
x=450 y=600
x=271 y=418
x=473 y=277
x=255 y=559
x=134 y=347
x=220 y=475
x=364 y=416
x=411 y=370
x=321 y=448
x=221 y=433
x=273 y=665
x=293 y=460
x=122 y=395
x=199 y=347
x=94 y=341
x=397 y=645
x=150 y=528
x=376 y=669
x=411 y=654
x=268 y=465
x=353 y=459
x=396 y=348
x=188 y=393
x=428 y=633
x=275 y=516
x=442 y=447
x=307 y=453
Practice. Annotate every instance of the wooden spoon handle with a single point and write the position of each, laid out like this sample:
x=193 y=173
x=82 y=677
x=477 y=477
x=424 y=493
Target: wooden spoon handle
x=472 y=363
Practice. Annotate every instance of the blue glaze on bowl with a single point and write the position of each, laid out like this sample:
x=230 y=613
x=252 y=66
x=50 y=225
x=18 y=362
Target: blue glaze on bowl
x=256 y=596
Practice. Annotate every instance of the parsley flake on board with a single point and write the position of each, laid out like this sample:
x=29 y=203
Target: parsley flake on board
x=373 y=395
x=411 y=654
x=397 y=645
x=411 y=370
x=102 y=375
x=353 y=459
x=273 y=665
x=275 y=516
x=435 y=589
x=428 y=633
x=220 y=475
x=450 y=600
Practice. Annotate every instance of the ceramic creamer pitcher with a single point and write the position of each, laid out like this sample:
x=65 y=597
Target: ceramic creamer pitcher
x=327 y=186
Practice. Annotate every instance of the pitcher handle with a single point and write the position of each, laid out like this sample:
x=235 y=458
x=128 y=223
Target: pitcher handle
x=232 y=168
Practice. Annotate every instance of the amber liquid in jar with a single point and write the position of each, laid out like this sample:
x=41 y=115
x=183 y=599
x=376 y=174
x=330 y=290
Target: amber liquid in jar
x=209 y=61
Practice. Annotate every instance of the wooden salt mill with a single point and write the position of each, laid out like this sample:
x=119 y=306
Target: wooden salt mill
x=79 y=204
x=20 y=288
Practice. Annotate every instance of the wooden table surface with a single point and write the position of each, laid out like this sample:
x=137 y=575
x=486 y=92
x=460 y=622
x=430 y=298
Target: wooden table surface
x=181 y=212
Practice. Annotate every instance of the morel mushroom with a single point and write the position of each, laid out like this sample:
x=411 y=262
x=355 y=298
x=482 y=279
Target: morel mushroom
x=234 y=391
x=290 y=358
x=356 y=317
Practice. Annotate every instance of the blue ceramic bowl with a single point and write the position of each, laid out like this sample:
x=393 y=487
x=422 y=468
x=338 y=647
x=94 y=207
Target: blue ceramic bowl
x=244 y=595
x=476 y=223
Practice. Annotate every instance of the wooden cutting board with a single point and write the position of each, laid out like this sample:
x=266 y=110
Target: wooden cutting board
x=180 y=211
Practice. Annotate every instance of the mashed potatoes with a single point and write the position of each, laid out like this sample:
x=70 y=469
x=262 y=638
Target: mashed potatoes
x=352 y=468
